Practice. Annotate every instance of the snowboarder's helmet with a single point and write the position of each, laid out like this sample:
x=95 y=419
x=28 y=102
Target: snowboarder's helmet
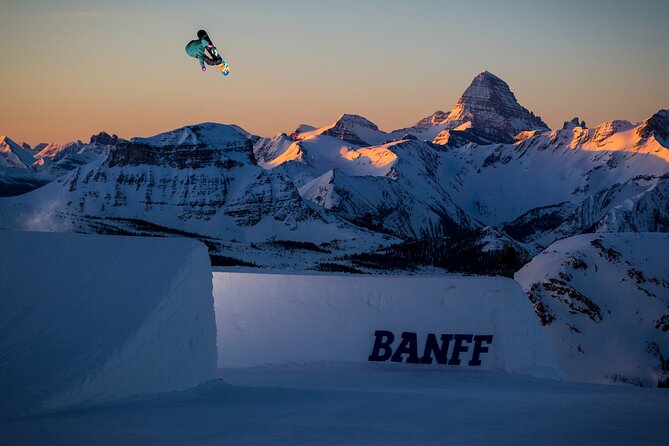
x=202 y=34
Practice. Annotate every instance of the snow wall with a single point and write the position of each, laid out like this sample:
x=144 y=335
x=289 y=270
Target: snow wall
x=90 y=317
x=404 y=321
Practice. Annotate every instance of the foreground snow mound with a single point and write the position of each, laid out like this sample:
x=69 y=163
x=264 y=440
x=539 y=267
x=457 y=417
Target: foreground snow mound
x=94 y=317
x=604 y=302
x=281 y=319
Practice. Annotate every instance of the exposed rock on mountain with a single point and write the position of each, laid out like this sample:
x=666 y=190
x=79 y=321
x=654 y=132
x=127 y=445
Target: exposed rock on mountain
x=604 y=301
x=488 y=109
x=570 y=125
x=406 y=200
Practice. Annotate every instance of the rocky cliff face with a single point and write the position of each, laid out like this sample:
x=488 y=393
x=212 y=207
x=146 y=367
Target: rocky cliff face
x=489 y=104
x=184 y=178
x=488 y=109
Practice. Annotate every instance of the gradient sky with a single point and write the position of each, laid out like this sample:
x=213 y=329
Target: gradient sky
x=73 y=68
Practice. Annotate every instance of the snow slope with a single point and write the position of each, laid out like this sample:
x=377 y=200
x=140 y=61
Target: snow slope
x=353 y=129
x=200 y=179
x=391 y=188
x=89 y=317
x=275 y=318
x=500 y=183
x=604 y=300
x=335 y=405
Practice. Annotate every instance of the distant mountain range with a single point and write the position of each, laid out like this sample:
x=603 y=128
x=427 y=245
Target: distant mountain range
x=488 y=162
x=483 y=188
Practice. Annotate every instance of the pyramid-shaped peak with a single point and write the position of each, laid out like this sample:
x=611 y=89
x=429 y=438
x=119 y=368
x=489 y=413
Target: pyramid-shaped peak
x=489 y=104
x=355 y=120
x=488 y=76
x=354 y=129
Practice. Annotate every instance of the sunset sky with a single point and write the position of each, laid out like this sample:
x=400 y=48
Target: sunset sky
x=74 y=68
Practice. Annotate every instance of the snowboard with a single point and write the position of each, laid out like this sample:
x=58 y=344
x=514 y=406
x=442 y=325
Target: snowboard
x=222 y=65
x=224 y=68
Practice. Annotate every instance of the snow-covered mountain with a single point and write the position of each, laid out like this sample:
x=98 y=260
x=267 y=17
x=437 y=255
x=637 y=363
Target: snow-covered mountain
x=353 y=129
x=199 y=181
x=544 y=186
x=563 y=168
x=55 y=160
x=398 y=192
x=487 y=110
x=23 y=168
x=604 y=302
x=488 y=162
x=16 y=174
x=13 y=154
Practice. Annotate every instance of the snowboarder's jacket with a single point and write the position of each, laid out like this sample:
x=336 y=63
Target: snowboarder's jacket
x=195 y=48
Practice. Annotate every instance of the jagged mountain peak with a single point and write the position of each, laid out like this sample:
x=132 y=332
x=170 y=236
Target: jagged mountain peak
x=354 y=129
x=489 y=103
x=658 y=124
x=487 y=112
x=13 y=155
x=302 y=128
x=435 y=118
x=355 y=120
x=7 y=141
x=105 y=139
x=487 y=75
x=570 y=125
x=607 y=129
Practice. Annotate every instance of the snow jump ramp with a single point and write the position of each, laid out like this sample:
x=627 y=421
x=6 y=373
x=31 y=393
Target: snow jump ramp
x=452 y=322
x=90 y=317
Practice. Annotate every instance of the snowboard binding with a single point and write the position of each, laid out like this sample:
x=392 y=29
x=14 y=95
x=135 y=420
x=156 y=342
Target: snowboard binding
x=222 y=65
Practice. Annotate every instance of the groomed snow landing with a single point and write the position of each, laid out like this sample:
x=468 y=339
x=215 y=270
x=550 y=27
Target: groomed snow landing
x=281 y=319
x=91 y=317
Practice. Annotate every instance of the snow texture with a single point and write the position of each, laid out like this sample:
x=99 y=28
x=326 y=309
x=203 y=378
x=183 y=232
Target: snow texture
x=348 y=405
x=604 y=300
x=266 y=318
x=89 y=317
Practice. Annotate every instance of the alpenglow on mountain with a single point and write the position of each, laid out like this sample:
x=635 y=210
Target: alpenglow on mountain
x=349 y=186
x=486 y=112
x=484 y=188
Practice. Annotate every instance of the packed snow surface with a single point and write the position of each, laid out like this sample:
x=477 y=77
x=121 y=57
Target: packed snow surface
x=279 y=319
x=89 y=317
x=344 y=404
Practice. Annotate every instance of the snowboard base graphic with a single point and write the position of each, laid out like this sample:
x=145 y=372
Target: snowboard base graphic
x=224 y=68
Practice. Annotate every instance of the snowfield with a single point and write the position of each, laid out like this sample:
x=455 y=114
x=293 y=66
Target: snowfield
x=604 y=300
x=115 y=337
x=88 y=317
x=346 y=404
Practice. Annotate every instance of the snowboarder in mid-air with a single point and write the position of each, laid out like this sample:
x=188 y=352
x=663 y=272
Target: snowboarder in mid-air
x=204 y=50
